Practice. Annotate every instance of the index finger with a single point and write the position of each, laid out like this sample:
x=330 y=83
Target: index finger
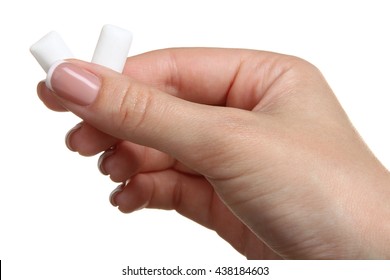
x=211 y=76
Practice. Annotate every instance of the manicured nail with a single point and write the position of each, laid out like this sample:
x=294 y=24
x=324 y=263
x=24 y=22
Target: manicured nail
x=73 y=83
x=105 y=155
x=68 y=136
x=115 y=192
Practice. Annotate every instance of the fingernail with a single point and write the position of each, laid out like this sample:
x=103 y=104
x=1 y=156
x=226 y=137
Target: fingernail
x=105 y=155
x=115 y=192
x=73 y=83
x=69 y=135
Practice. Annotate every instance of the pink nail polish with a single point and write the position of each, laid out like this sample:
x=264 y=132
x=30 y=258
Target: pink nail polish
x=73 y=83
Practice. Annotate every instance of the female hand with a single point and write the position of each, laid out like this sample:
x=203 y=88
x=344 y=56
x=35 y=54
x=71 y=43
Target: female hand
x=253 y=145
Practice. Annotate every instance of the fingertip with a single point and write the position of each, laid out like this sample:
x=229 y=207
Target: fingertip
x=133 y=195
x=88 y=141
x=101 y=166
x=40 y=85
x=68 y=137
x=47 y=97
x=114 y=194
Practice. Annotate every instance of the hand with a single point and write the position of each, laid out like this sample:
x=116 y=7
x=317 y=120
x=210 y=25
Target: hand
x=253 y=145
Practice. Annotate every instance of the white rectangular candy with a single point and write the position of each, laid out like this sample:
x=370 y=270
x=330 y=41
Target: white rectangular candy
x=50 y=49
x=113 y=47
x=111 y=50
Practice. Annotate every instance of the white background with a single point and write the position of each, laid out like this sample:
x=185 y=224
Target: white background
x=55 y=218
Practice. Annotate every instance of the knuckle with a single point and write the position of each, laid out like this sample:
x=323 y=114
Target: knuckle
x=302 y=70
x=131 y=110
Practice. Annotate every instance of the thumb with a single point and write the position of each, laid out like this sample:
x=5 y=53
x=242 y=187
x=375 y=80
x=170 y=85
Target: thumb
x=132 y=111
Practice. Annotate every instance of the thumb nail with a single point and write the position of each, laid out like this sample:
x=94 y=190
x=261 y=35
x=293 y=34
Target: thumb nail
x=73 y=83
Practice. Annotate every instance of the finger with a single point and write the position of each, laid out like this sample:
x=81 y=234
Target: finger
x=128 y=159
x=47 y=97
x=200 y=75
x=232 y=77
x=191 y=196
x=203 y=75
x=83 y=138
x=132 y=111
x=194 y=198
x=186 y=72
x=180 y=72
x=87 y=140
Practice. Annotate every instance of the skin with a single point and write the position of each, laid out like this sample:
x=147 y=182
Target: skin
x=251 y=144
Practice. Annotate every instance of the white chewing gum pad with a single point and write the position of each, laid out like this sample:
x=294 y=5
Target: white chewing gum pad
x=113 y=47
x=50 y=49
